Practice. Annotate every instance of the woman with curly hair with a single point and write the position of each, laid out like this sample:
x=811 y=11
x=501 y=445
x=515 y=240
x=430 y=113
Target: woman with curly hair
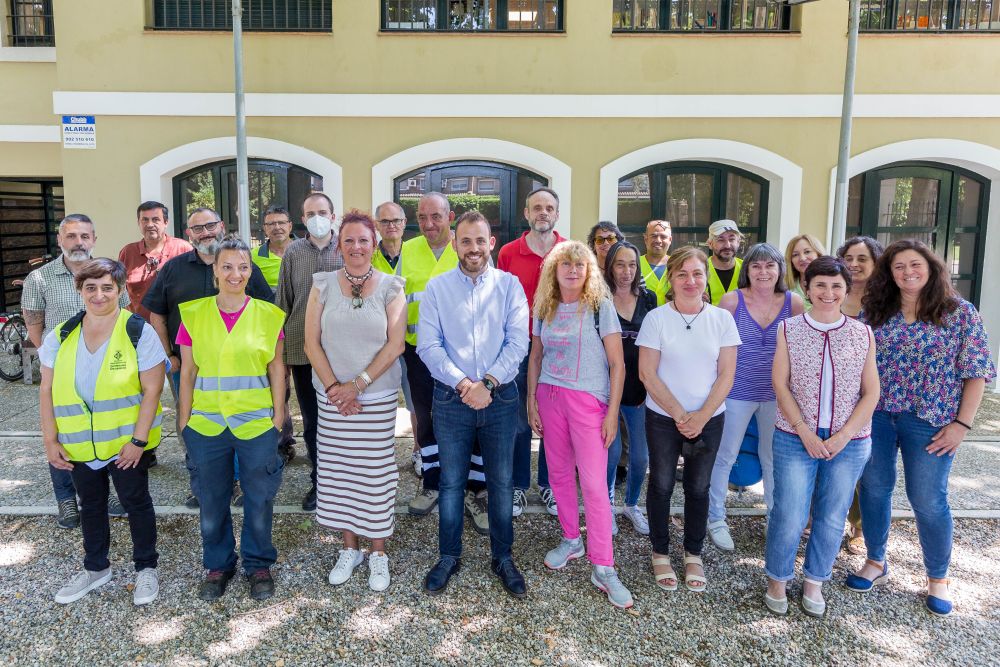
x=576 y=373
x=934 y=362
x=800 y=251
x=859 y=253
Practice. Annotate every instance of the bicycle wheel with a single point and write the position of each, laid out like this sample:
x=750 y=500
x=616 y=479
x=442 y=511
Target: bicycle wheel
x=13 y=335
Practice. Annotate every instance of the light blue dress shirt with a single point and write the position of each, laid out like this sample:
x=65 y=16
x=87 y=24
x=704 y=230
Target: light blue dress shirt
x=471 y=329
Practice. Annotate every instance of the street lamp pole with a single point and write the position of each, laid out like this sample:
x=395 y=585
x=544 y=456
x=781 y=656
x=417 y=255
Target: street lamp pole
x=839 y=231
x=242 y=170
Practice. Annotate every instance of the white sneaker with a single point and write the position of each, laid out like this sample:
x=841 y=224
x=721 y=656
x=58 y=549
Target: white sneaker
x=81 y=584
x=348 y=560
x=378 y=572
x=417 y=461
x=147 y=586
x=638 y=519
x=556 y=559
x=550 y=501
x=614 y=522
x=718 y=531
x=520 y=502
x=606 y=579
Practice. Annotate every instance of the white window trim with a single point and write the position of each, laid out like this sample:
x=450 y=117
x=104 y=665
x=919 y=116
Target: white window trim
x=979 y=158
x=783 y=175
x=31 y=134
x=156 y=176
x=477 y=148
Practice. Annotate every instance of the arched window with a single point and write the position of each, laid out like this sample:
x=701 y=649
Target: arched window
x=496 y=189
x=271 y=183
x=938 y=204
x=691 y=196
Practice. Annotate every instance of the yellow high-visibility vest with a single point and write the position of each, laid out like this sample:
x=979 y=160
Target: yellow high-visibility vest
x=419 y=266
x=99 y=434
x=658 y=286
x=381 y=263
x=232 y=389
x=268 y=263
x=715 y=287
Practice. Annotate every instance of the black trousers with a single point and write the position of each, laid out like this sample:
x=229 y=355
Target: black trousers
x=132 y=486
x=666 y=445
x=306 y=395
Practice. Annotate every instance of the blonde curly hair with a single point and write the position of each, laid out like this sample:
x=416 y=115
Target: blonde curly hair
x=547 y=296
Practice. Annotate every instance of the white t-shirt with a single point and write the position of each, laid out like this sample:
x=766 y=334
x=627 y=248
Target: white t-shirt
x=689 y=358
x=826 y=386
x=149 y=353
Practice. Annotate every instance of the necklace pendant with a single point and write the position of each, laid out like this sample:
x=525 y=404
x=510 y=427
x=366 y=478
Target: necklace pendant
x=357 y=302
x=689 y=327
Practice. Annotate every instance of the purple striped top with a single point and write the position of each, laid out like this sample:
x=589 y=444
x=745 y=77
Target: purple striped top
x=755 y=356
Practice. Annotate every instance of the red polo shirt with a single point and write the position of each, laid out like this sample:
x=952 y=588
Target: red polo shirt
x=141 y=269
x=517 y=258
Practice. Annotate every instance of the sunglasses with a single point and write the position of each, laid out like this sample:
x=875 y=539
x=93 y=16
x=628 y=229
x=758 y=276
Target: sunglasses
x=604 y=240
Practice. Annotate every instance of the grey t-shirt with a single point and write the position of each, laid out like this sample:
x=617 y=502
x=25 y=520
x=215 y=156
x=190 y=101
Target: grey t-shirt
x=149 y=352
x=574 y=356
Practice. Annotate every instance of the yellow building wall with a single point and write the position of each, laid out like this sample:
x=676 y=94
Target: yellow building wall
x=27 y=93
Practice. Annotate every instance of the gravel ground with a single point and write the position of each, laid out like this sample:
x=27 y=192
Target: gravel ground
x=564 y=621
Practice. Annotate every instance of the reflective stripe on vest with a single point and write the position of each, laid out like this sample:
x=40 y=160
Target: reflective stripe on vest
x=100 y=433
x=232 y=389
x=658 y=286
x=419 y=266
x=715 y=287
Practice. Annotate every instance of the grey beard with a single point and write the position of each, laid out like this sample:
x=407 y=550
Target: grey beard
x=209 y=248
x=79 y=255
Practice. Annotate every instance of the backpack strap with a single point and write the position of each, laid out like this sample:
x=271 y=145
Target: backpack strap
x=134 y=328
x=66 y=328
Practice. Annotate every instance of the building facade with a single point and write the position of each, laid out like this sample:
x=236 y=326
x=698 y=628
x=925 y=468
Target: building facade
x=687 y=110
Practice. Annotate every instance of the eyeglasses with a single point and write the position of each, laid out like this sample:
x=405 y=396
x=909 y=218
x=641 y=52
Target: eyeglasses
x=207 y=227
x=605 y=240
x=392 y=222
x=277 y=222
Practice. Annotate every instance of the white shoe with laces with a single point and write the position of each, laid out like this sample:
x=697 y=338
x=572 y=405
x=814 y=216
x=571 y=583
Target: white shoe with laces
x=549 y=500
x=520 y=502
x=638 y=519
x=348 y=560
x=606 y=579
x=81 y=584
x=378 y=572
x=147 y=586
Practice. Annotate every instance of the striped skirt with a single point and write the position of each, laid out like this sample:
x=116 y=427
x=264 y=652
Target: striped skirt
x=356 y=474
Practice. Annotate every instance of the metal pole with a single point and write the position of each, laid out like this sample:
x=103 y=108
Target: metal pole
x=839 y=230
x=242 y=171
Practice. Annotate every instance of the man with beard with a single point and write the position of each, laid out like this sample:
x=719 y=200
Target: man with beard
x=724 y=239
x=49 y=297
x=472 y=336
x=185 y=278
x=314 y=254
x=654 y=263
x=523 y=257
x=144 y=258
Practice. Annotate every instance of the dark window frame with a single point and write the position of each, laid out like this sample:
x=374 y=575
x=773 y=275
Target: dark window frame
x=441 y=9
x=216 y=16
x=52 y=209
x=725 y=20
x=17 y=20
x=889 y=10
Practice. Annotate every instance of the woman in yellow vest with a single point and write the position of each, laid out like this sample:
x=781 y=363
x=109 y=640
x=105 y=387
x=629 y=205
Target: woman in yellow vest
x=232 y=398
x=102 y=374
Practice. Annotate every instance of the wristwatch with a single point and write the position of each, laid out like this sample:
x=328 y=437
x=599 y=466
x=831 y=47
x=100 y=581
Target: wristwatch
x=491 y=386
x=139 y=443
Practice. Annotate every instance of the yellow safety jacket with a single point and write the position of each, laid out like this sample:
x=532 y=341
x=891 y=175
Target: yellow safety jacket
x=658 y=286
x=99 y=434
x=268 y=263
x=715 y=287
x=381 y=263
x=232 y=389
x=419 y=266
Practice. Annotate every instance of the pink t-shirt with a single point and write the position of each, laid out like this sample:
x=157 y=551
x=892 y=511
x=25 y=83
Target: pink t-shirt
x=229 y=319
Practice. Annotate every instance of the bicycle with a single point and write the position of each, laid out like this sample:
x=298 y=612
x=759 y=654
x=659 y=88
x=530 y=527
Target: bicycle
x=14 y=336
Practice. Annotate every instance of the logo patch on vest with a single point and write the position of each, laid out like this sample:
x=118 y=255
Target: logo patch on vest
x=117 y=362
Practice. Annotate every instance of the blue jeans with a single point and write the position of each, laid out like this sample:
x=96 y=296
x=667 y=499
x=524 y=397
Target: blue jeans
x=522 y=439
x=456 y=428
x=638 y=454
x=926 y=477
x=738 y=416
x=62 y=484
x=175 y=388
x=261 y=466
x=829 y=485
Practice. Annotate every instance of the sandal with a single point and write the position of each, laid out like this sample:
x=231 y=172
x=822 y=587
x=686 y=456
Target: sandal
x=694 y=578
x=664 y=573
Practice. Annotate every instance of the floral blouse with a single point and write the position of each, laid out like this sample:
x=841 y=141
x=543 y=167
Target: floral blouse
x=922 y=366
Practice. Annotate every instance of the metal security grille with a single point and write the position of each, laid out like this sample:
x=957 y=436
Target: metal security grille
x=473 y=15
x=30 y=212
x=930 y=15
x=30 y=23
x=700 y=15
x=259 y=15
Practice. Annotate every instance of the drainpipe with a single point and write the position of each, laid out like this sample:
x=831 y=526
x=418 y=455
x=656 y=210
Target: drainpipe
x=839 y=231
x=242 y=171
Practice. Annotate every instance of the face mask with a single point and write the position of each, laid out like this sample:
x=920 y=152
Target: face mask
x=319 y=226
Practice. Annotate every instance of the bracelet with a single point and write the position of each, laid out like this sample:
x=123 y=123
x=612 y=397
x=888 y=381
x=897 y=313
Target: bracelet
x=327 y=390
x=356 y=387
x=961 y=423
x=796 y=424
x=367 y=378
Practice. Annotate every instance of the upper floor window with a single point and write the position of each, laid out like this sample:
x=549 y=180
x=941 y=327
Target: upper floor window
x=29 y=23
x=930 y=15
x=473 y=15
x=700 y=16
x=258 y=15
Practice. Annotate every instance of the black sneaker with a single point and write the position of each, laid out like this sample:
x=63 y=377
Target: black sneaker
x=215 y=584
x=69 y=514
x=152 y=460
x=192 y=502
x=237 y=495
x=115 y=508
x=309 y=500
x=261 y=584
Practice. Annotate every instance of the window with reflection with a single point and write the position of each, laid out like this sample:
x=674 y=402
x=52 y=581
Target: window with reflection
x=700 y=15
x=29 y=23
x=930 y=15
x=473 y=15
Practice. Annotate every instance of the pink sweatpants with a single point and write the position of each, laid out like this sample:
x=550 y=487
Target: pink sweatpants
x=571 y=421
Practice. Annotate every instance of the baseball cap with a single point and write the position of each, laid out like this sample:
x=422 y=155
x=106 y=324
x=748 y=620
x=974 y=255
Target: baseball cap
x=722 y=226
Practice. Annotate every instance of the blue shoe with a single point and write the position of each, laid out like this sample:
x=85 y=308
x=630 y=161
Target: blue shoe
x=938 y=606
x=859 y=584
